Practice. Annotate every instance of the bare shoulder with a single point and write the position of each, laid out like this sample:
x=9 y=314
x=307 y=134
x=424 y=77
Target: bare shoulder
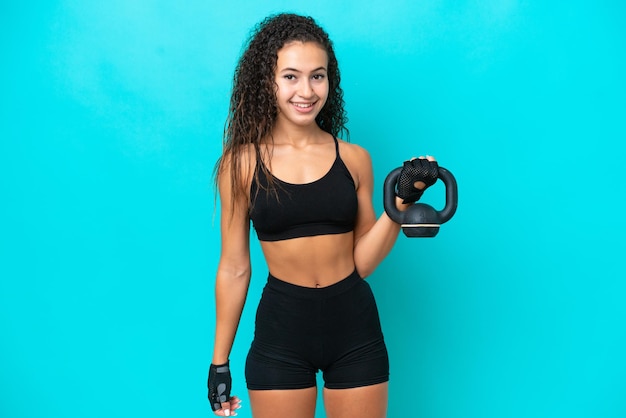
x=236 y=170
x=357 y=159
x=353 y=151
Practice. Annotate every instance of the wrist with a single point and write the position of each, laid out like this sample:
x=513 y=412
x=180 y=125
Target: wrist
x=401 y=206
x=219 y=360
x=221 y=364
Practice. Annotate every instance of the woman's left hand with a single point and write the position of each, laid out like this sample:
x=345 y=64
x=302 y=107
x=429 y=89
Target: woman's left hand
x=416 y=176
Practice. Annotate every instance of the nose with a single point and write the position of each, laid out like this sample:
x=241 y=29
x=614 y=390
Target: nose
x=306 y=90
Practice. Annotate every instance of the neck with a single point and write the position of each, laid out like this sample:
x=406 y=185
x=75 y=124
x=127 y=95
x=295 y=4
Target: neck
x=298 y=136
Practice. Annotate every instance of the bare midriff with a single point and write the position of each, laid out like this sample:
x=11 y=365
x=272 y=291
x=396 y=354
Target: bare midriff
x=317 y=261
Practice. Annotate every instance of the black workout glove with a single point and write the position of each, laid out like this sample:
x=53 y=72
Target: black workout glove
x=418 y=169
x=219 y=384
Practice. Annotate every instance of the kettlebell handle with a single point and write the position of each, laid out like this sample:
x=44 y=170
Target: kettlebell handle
x=389 y=199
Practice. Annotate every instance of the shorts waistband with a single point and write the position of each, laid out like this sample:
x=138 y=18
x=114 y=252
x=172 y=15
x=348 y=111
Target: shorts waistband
x=314 y=292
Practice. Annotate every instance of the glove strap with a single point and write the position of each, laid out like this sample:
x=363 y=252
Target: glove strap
x=219 y=384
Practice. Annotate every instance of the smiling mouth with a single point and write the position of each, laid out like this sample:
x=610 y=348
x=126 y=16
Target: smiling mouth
x=303 y=105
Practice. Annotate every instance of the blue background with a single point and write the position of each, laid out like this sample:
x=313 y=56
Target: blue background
x=111 y=121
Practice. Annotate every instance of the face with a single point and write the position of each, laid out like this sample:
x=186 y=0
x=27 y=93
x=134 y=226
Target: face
x=301 y=82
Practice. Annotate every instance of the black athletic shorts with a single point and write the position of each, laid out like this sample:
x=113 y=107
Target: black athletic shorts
x=301 y=330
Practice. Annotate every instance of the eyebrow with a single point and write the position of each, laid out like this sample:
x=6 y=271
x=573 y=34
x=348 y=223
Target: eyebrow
x=298 y=71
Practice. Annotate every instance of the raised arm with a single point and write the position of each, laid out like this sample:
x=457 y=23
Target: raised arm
x=373 y=239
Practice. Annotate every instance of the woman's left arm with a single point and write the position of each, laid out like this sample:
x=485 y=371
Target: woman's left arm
x=373 y=238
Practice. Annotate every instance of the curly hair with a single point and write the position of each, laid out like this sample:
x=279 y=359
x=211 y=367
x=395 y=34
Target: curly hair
x=253 y=108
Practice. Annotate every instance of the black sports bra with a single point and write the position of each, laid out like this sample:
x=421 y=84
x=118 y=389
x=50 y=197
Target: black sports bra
x=325 y=206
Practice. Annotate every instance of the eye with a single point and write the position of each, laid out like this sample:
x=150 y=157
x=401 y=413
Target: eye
x=289 y=77
x=319 y=77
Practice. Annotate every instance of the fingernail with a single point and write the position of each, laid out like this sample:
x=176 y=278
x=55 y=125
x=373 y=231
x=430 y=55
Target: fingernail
x=227 y=412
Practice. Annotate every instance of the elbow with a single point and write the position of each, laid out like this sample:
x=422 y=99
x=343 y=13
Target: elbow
x=243 y=273
x=235 y=272
x=364 y=269
x=363 y=274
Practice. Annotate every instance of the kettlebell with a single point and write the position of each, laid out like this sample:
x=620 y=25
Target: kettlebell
x=420 y=220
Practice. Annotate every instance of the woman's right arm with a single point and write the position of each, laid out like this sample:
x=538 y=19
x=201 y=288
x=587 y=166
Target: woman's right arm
x=233 y=272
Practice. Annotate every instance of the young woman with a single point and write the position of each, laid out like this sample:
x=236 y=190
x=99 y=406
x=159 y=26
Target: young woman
x=308 y=195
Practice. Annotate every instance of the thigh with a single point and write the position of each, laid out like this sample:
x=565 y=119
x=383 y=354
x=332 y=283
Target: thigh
x=360 y=402
x=355 y=353
x=293 y=403
x=282 y=355
x=270 y=367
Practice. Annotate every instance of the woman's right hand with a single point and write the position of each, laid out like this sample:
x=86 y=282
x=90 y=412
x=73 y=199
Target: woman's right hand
x=229 y=409
x=219 y=385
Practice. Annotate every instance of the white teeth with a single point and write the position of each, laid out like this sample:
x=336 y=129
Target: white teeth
x=303 y=106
